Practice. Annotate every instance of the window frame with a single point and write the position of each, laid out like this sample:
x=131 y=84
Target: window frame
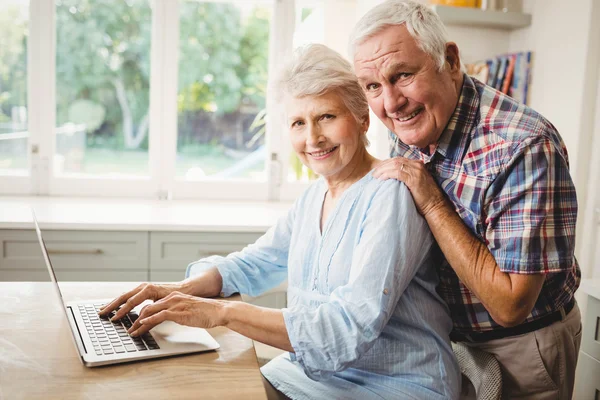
x=161 y=182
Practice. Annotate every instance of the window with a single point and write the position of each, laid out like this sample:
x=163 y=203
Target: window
x=14 y=135
x=152 y=98
x=223 y=61
x=102 y=87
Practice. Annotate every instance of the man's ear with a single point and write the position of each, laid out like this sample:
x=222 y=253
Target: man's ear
x=453 y=57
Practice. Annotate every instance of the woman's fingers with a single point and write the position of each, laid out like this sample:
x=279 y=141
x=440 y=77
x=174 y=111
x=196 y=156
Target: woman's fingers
x=134 y=301
x=113 y=305
x=152 y=309
x=180 y=308
x=150 y=322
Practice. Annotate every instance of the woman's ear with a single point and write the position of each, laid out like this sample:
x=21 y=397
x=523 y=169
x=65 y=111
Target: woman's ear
x=366 y=123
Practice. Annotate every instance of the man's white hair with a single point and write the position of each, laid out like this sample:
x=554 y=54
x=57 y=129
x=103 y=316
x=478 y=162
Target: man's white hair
x=315 y=70
x=423 y=24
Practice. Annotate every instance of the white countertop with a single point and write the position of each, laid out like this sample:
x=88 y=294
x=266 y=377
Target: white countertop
x=591 y=287
x=139 y=214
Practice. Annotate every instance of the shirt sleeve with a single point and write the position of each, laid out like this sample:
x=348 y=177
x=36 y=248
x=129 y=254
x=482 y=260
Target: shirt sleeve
x=258 y=267
x=531 y=212
x=394 y=241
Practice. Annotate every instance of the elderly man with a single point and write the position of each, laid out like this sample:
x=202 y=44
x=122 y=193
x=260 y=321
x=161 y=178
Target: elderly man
x=491 y=178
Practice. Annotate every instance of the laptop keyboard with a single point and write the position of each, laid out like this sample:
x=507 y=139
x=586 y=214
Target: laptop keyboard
x=112 y=337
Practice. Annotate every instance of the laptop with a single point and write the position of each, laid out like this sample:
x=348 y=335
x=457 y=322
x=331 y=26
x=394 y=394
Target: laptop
x=102 y=342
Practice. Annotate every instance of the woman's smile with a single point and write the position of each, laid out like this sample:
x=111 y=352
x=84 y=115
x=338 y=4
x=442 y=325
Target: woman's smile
x=322 y=154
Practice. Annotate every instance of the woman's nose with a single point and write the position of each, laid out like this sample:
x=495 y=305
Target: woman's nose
x=315 y=135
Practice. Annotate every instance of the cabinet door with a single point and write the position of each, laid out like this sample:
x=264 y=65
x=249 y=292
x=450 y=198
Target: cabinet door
x=590 y=342
x=587 y=385
x=171 y=252
x=75 y=255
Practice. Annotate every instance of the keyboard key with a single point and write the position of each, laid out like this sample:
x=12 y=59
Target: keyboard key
x=130 y=348
x=110 y=351
x=119 y=350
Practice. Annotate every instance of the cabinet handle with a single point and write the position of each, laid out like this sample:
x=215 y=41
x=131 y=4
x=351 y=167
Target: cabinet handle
x=81 y=252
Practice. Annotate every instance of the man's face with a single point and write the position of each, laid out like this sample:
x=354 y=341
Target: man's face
x=404 y=86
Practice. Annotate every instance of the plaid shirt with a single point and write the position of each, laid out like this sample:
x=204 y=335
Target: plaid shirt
x=505 y=169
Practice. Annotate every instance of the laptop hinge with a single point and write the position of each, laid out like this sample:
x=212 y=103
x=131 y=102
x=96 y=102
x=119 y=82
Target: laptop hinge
x=80 y=341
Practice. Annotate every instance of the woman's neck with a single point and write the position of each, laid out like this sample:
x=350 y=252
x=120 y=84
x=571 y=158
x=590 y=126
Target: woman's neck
x=361 y=164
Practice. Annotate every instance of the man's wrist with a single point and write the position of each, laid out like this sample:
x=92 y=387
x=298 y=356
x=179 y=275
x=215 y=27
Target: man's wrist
x=437 y=210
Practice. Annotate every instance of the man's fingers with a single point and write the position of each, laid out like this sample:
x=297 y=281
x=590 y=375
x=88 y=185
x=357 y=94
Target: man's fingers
x=392 y=171
x=394 y=168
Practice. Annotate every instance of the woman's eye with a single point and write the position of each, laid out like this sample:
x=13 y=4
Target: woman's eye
x=296 y=124
x=327 y=116
x=372 y=86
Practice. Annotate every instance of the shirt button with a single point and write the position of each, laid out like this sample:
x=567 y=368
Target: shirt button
x=222 y=294
x=385 y=291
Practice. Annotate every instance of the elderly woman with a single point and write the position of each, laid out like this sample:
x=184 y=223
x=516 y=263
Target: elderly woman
x=363 y=320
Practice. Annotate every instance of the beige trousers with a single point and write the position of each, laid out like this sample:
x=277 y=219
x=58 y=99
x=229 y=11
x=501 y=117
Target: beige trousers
x=539 y=365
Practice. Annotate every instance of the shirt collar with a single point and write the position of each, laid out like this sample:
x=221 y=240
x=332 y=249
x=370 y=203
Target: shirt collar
x=454 y=138
x=462 y=121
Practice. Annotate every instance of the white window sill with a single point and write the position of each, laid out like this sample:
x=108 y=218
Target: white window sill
x=139 y=214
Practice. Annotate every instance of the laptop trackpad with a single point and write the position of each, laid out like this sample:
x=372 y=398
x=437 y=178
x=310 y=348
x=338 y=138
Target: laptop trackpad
x=178 y=335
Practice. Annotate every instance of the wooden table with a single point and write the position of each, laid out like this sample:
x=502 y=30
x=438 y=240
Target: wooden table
x=39 y=361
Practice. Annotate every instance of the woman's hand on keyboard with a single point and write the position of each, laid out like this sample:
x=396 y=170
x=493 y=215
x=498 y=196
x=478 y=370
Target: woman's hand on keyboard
x=129 y=300
x=181 y=308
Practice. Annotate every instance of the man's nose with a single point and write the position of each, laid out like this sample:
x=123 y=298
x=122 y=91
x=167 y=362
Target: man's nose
x=393 y=99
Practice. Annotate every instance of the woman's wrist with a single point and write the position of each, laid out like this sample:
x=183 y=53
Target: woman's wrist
x=227 y=312
x=207 y=284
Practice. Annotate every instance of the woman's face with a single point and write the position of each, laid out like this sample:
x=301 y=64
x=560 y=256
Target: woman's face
x=324 y=133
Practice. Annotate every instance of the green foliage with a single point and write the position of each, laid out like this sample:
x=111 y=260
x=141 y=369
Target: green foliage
x=105 y=44
x=99 y=42
x=259 y=126
x=87 y=112
x=13 y=59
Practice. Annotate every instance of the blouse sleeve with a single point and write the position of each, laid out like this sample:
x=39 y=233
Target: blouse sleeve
x=258 y=267
x=393 y=243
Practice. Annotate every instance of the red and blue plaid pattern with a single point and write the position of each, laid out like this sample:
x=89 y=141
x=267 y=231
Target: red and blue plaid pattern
x=505 y=169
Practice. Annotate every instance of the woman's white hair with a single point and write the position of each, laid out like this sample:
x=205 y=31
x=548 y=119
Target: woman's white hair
x=423 y=24
x=316 y=70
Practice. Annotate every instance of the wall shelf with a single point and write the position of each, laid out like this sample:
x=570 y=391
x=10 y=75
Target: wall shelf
x=474 y=17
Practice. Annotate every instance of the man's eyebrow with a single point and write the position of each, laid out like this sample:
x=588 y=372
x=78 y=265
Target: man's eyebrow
x=399 y=66
x=393 y=69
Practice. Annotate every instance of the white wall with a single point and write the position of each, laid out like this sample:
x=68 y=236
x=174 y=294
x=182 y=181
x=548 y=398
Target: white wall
x=476 y=44
x=566 y=44
x=560 y=38
x=338 y=28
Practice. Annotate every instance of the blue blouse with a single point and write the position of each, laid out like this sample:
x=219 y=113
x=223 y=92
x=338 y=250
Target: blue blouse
x=363 y=314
